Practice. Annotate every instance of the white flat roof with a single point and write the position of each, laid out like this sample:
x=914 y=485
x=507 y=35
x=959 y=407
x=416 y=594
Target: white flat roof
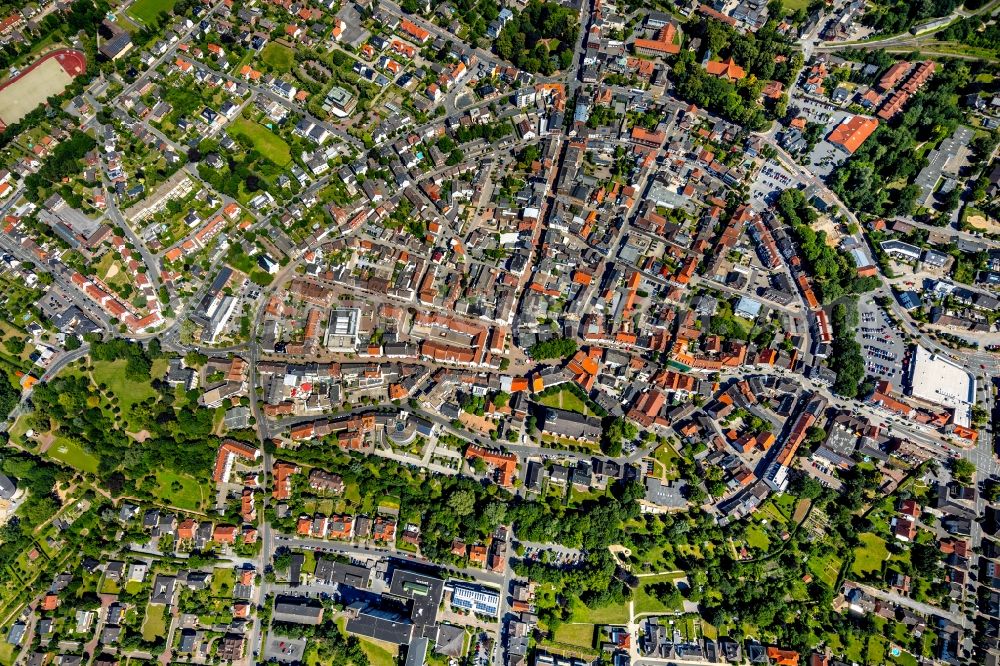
x=941 y=381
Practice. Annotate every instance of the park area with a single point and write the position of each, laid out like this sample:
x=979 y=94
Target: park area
x=179 y=490
x=658 y=595
x=264 y=141
x=48 y=76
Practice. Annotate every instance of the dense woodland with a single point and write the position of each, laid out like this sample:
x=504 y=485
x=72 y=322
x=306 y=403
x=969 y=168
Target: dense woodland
x=554 y=348
x=973 y=31
x=38 y=477
x=846 y=359
x=540 y=38
x=64 y=161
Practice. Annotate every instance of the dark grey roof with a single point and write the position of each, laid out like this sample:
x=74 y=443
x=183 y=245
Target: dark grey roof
x=7 y=487
x=297 y=610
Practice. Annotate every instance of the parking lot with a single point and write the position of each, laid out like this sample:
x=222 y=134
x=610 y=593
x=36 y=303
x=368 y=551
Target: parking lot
x=285 y=650
x=771 y=180
x=825 y=156
x=882 y=345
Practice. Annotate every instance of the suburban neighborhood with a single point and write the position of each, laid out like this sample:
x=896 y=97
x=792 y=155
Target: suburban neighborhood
x=499 y=332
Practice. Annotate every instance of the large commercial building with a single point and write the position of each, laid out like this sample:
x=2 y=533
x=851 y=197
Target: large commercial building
x=938 y=380
x=342 y=332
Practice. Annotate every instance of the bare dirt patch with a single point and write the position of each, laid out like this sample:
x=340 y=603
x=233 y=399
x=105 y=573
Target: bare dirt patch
x=833 y=235
x=985 y=224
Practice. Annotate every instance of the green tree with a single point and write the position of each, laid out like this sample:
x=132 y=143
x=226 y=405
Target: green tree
x=962 y=471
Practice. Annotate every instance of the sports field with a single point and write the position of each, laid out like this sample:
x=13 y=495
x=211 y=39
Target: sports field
x=46 y=77
x=148 y=11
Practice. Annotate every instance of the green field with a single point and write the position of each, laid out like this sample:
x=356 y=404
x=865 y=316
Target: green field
x=378 y=653
x=870 y=555
x=155 y=624
x=610 y=614
x=646 y=599
x=667 y=456
x=565 y=399
x=825 y=568
x=8 y=653
x=147 y=11
x=580 y=635
x=266 y=142
x=794 y=5
x=190 y=496
x=278 y=56
x=129 y=393
x=73 y=454
x=757 y=537
x=109 y=586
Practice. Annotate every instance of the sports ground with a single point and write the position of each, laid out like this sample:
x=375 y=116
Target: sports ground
x=47 y=76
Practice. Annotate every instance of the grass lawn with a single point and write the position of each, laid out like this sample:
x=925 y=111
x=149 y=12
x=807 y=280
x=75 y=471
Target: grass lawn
x=876 y=650
x=757 y=537
x=567 y=400
x=646 y=598
x=571 y=444
x=794 y=5
x=870 y=555
x=155 y=624
x=388 y=503
x=7 y=653
x=129 y=393
x=278 y=56
x=580 y=635
x=223 y=581
x=667 y=456
x=147 y=10
x=610 y=614
x=378 y=653
x=352 y=493
x=266 y=142
x=578 y=497
x=308 y=562
x=73 y=454
x=109 y=586
x=785 y=504
x=191 y=493
x=771 y=513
